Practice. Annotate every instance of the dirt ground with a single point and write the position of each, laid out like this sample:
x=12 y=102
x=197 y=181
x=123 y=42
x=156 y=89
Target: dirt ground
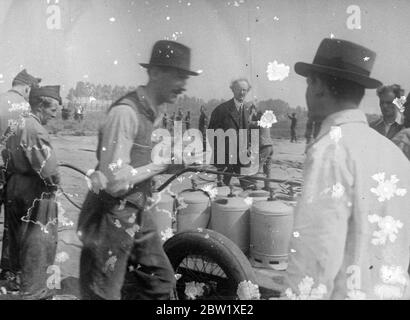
x=78 y=151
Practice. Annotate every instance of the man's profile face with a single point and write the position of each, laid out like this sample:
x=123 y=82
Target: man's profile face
x=316 y=99
x=26 y=92
x=171 y=83
x=314 y=110
x=387 y=106
x=49 y=112
x=240 y=89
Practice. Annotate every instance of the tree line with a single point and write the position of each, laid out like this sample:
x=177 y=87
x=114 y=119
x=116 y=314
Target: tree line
x=98 y=97
x=97 y=91
x=86 y=91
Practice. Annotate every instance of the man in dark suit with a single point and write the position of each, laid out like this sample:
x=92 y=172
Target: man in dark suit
x=231 y=115
x=388 y=125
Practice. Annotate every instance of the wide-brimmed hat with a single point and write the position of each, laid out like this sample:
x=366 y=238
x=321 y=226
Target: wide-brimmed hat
x=171 y=54
x=342 y=59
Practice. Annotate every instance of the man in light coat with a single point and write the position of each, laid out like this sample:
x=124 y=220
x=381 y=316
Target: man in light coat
x=351 y=234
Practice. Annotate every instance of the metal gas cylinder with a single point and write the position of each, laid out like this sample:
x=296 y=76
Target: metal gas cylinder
x=224 y=191
x=230 y=217
x=161 y=210
x=270 y=233
x=256 y=195
x=195 y=210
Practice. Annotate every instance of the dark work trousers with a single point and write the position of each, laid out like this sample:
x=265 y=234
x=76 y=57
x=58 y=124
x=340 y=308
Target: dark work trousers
x=293 y=135
x=266 y=152
x=32 y=218
x=122 y=255
x=5 y=259
x=229 y=169
x=244 y=182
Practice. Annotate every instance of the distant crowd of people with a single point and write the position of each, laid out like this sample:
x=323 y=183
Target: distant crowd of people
x=168 y=122
x=77 y=110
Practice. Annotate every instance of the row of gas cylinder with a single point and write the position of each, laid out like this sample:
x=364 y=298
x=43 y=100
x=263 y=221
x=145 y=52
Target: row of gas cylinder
x=258 y=224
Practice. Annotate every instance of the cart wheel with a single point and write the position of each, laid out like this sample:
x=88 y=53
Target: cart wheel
x=210 y=261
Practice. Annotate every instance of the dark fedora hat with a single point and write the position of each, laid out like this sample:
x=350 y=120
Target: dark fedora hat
x=342 y=59
x=171 y=54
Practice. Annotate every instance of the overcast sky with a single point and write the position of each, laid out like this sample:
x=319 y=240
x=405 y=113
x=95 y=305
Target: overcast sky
x=102 y=41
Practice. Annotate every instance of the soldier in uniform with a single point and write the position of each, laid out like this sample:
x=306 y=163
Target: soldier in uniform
x=13 y=104
x=32 y=179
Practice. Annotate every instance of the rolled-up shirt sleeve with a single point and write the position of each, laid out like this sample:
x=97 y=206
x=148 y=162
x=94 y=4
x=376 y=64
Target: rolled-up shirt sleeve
x=118 y=133
x=321 y=221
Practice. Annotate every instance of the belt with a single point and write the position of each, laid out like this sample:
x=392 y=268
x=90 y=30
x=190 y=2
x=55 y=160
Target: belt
x=136 y=199
x=26 y=174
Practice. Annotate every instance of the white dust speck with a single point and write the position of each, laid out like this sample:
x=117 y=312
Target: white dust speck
x=277 y=71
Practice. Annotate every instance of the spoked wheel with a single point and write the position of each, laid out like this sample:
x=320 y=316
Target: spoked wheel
x=208 y=265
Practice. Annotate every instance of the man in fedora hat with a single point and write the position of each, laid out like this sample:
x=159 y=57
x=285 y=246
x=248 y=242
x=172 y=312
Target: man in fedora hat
x=352 y=228
x=117 y=234
x=32 y=179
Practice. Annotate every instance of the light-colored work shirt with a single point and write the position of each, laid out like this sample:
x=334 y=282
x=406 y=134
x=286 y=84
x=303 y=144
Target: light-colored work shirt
x=351 y=235
x=125 y=141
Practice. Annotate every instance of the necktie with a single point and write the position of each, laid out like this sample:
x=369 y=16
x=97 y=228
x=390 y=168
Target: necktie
x=241 y=116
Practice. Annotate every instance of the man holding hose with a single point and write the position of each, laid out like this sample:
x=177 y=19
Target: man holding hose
x=122 y=249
